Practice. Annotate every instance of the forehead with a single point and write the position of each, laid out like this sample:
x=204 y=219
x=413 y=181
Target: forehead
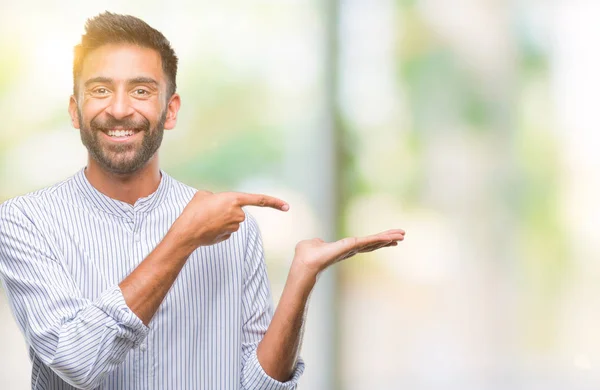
x=122 y=62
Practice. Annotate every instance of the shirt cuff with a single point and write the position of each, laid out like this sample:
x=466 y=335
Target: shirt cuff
x=256 y=378
x=128 y=325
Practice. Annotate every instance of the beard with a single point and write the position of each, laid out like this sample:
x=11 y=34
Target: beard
x=122 y=159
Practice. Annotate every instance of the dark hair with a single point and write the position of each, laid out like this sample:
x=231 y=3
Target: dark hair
x=107 y=28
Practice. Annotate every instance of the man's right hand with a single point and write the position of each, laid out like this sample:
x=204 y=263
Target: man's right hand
x=211 y=218
x=206 y=220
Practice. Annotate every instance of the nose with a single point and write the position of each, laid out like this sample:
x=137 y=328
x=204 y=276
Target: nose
x=120 y=106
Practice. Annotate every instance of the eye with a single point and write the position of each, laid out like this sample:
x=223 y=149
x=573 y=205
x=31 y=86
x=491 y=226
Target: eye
x=100 y=91
x=141 y=92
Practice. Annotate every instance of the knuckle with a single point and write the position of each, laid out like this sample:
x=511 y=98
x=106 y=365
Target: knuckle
x=202 y=194
x=349 y=241
x=233 y=200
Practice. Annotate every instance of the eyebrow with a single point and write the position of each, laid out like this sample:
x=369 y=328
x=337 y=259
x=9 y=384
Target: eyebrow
x=135 y=80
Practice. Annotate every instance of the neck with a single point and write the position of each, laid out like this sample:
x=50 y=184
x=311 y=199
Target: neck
x=125 y=187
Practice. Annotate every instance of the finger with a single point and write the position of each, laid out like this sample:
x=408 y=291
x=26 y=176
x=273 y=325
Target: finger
x=393 y=234
x=376 y=239
x=232 y=228
x=347 y=255
x=260 y=200
x=396 y=238
x=393 y=231
x=376 y=247
x=238 y=215
x=373 y=247
x=369 y=248
x=393 y=237
x=348 y=244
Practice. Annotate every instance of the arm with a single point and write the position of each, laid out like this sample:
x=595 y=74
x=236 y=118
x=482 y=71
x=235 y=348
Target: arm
x=278 y=350
x=207 y=219
x=66 y=330
x=145 y=287
x=82 y=340
x=257 y=313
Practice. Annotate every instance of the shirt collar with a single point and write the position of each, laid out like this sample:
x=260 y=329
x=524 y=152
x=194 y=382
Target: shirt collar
x=117 y=207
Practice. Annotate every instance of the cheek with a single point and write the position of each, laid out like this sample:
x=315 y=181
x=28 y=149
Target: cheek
x=149 y=108
x=92 y=108
x=151 y=113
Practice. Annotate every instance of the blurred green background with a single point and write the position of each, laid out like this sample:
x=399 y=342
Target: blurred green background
x=470 y=124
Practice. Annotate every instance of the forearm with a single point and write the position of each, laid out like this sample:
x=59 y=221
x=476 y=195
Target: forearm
x=72 y=348
x=145 y=288
x=112 y=325
x=118 y=313
x=278 y=351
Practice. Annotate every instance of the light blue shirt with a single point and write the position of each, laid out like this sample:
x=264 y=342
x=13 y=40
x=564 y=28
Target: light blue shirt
x=65 y=249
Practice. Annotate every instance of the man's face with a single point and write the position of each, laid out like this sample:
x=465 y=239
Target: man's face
x=121 y=108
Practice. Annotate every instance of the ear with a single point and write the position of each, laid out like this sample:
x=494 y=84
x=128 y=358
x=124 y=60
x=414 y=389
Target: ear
x=73 y=112
x=172 y=110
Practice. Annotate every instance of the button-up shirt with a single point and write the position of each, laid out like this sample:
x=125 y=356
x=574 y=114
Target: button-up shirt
x=65 y=249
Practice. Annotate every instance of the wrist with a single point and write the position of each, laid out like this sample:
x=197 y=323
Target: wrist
x=298 y=285
x=179 y=238
x=302 y=273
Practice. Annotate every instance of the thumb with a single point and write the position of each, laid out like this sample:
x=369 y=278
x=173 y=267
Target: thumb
x=342 y=246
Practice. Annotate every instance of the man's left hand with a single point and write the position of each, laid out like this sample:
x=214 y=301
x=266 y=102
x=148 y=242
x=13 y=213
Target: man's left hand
x=314 y=256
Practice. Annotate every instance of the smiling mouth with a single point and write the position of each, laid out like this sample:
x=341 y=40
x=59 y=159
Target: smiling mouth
x=120 y=133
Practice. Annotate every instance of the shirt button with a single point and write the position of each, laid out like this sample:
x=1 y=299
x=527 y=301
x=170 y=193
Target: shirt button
x=142 y=347
x=137 y=237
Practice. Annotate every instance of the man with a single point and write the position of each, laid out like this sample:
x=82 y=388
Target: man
x=120 y=277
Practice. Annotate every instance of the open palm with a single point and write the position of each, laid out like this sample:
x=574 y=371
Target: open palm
x=316 y=254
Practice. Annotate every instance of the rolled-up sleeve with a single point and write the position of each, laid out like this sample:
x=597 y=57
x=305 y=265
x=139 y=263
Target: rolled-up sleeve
x=257 y=308
x=255 y=377
x=80 y=339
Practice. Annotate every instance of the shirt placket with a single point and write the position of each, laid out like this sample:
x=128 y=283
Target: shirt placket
x=144 y=366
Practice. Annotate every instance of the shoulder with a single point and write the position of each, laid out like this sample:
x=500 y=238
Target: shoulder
x=36 y=201
x=180 y=192
x=22 y=223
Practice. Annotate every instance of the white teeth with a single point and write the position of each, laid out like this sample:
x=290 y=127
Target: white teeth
x=120 y=133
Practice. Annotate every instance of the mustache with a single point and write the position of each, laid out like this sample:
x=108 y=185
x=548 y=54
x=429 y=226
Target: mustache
x=111 y=123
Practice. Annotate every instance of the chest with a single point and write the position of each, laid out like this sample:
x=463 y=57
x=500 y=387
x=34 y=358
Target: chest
x=101 y=250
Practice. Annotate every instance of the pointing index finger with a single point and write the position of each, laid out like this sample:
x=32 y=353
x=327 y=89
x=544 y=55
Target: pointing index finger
x=262 y=201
